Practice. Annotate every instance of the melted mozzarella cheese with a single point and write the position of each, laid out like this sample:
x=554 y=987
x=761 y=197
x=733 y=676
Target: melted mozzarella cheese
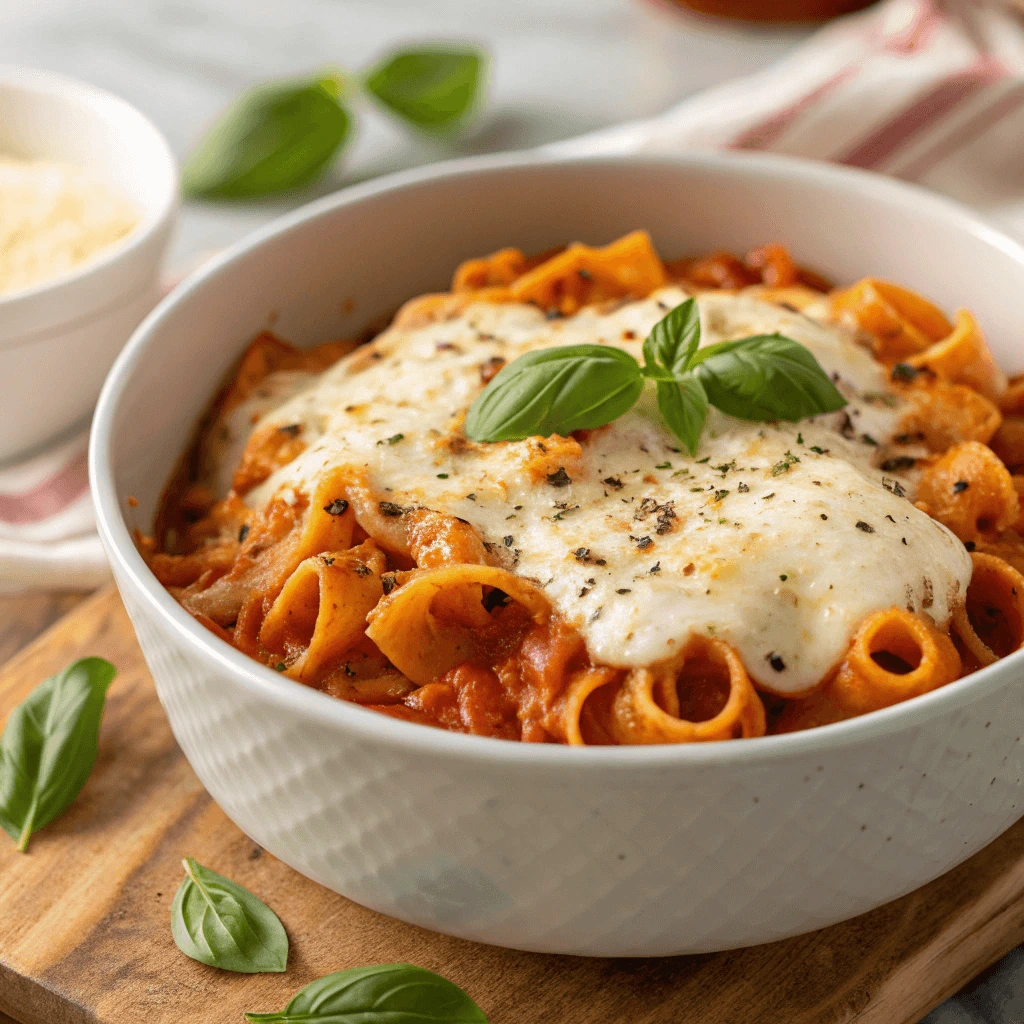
x=778 y=538
x=225 y=442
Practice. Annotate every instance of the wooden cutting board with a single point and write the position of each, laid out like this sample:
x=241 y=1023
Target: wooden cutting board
x=84 y=933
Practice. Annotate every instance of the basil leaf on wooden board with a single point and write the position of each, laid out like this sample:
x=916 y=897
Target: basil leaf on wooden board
x=220 y=923
x=432 y=87
x=271 y=139
x=684 y=407
x=673 y=340
x=766 y=377
x=555 y=391
x=49 y=746
x=387 y=993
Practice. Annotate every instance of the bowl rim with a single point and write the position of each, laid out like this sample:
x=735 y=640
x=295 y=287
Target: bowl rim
x=77 y=93
x=373 y=726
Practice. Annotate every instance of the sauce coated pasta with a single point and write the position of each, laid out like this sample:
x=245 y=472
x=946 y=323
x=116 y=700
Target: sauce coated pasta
x=333 y=520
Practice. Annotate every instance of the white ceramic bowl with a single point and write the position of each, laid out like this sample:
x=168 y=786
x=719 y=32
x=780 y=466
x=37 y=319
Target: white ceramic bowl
x=603 y=851
x=58 y=340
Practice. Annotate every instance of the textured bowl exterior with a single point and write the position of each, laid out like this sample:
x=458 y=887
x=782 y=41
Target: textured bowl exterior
x=39 y=403
x=600 y=851
x=637 y=862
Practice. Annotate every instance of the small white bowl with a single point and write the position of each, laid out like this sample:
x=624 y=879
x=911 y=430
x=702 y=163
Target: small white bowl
x=58 y=339
x=609 y=851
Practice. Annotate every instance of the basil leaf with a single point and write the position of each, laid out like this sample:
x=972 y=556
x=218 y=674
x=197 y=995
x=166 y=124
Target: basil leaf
x=220 y=923
x=49 y=746
x=766 y=377
x=271 y=139
x=433 y=87
x=388 y=993
x=673 y=340
x=555 y=391
x=684 y=407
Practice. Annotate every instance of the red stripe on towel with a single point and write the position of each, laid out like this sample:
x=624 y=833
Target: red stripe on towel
x=964 y=134
x=924 y=112
x=763 y=134
x=50 y=497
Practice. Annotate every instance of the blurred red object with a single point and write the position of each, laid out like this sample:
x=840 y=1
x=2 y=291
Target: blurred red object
x=775 y=10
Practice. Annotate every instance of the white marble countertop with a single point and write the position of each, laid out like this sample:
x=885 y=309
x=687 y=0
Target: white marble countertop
x=558 y=68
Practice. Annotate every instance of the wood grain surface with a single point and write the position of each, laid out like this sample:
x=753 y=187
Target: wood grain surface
x=24 y=617
x=84 y=934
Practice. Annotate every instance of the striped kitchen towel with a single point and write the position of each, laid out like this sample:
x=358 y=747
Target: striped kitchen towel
x=927 y=90
x=47 y=537
x=931 y=91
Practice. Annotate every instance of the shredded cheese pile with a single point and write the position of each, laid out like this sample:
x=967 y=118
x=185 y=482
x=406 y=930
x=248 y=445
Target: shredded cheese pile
x=54 y=217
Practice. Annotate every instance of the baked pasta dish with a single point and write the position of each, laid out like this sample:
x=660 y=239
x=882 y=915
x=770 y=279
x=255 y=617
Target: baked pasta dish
x=592 y=496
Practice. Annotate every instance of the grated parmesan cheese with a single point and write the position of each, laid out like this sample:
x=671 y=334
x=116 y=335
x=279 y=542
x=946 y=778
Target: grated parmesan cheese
x=53 y=218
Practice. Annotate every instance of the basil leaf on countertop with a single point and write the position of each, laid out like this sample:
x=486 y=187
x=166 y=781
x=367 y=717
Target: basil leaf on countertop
x=555 y=391
x=673 y=340
x=220 y=923
x=271 y=139
x=684 y=407
x=433 y=87
x=386 y=993
x=49 y=747
x=766 y=377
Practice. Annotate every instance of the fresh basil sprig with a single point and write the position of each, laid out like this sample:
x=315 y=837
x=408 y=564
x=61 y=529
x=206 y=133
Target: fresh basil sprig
x=220 y=923
x=283 y=135
x=49 y=747
x=559 y=390
x=387 y=993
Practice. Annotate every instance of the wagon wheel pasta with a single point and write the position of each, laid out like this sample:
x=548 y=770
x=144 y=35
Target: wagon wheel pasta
x=333 y=520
